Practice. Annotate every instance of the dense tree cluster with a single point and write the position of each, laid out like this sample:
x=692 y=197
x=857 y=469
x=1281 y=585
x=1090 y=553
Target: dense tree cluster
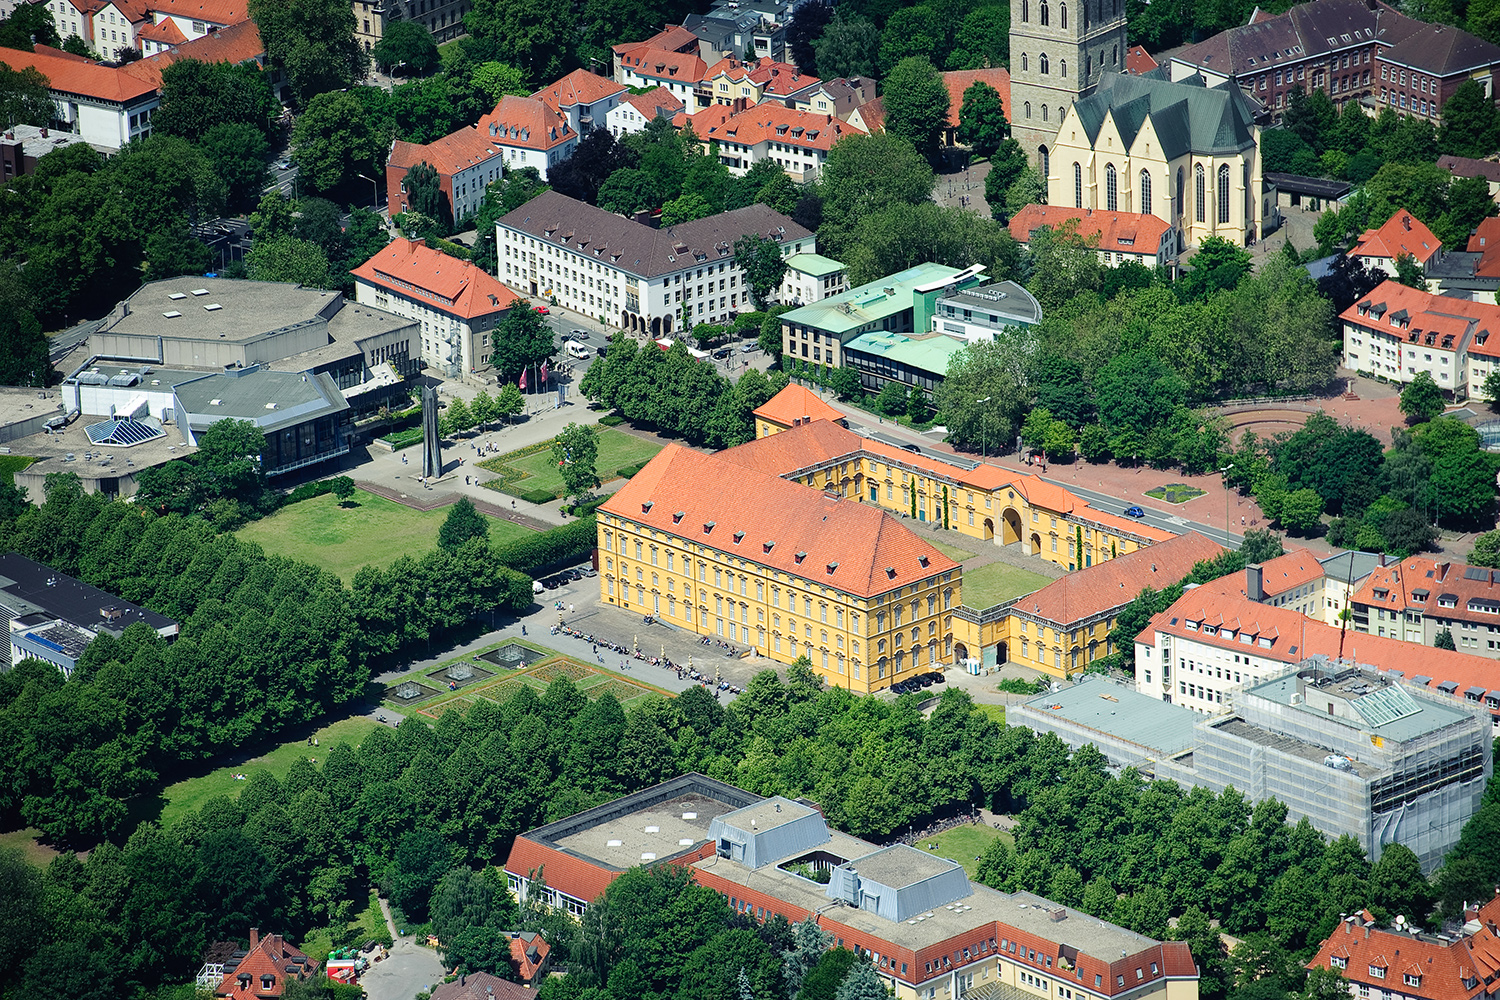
x=672 y=392
x=266 y=643
x=1122 y=357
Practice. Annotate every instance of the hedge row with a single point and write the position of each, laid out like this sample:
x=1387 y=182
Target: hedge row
x=307 y=491
x=555 y=547
x=537 y=496
x=510 y=476
x=404 y=439
x=613 y=420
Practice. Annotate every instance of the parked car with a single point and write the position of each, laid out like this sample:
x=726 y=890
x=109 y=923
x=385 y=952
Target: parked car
x=542 y=309
x=1134 y=512
x=722 y=353
x=749 y=348
x=282 y=164
x=579 y=334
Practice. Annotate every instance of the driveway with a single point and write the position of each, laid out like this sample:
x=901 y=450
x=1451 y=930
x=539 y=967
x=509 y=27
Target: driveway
x=410 y=969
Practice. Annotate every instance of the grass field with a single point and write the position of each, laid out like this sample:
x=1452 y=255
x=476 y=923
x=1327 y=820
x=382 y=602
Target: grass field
x=372 y=533
x=989 y=585
x=996 y=712
x=592 y=681
x=953 y=552
x=616 y=451
x=190 y=794
x=12 y=464
x=25 y=841
x=965 y=843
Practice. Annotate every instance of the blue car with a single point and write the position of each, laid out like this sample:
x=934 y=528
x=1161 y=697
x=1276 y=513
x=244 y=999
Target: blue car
x=1134 y=512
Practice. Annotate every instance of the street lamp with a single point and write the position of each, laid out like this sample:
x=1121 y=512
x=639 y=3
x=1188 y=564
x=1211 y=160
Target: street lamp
x=983 y=449
x=374 y=186
x=1223 y=472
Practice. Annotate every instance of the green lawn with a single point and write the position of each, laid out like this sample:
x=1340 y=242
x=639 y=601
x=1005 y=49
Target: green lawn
x=989 y=585
x=996 y=712
x=373 y=532
x=616 y=451
x=26 y=842
x=12 y=464
x=965 y=843
x=953 y=552
x=190 y=794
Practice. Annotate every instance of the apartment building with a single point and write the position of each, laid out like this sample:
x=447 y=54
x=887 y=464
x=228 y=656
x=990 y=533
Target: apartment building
x=797 y=140
x=628 y=274
x=585 y=99
x=1369 y=956
x=1396 y=332
x=1416 y=598
x=1402 y=235
x=459 y=305
x=1122 y=236
x=466 y=161
x=635 y=111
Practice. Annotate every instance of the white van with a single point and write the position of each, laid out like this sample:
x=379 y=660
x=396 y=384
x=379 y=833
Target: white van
x=577 y=350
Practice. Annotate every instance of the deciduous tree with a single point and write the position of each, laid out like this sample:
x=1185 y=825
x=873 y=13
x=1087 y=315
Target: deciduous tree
x=916 y=105
x=576 y=450
x=406 y=45
x=312 y=41
x=462 y=524
x=981 y=120
x=1421 y=400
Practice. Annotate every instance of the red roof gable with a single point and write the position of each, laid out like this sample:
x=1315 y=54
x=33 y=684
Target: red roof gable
x=1403 y=233
x=794 y=403
x=1109 y=585
x=1138 y=60
x=456 y=286
x=1412 y=313
x=1118 y=232
x=166 y=32
x=1427 y=967
x=959 y=80
x=264 y=971
x=525 y=122
x=72 y=75
x=578 y=87
x=452 y=154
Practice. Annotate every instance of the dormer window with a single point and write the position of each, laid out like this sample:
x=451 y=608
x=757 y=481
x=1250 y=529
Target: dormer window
x=1377 y=972
x=832 y=566
x=1411 y=980
x=646 y=507
x=767 y=546
x=890 y=572
x=739 y=536
x=677 y=517
x=708 y=526
x=923 y=561
x=799 y=557
x=1339 y=962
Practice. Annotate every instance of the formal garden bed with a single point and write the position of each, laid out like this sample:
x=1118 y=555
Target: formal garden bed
x=1175 y=493
x=530 y=473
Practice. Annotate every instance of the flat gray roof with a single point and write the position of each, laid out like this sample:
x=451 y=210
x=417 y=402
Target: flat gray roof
x=18 y=404
x=1123 y=713
x=1289 y=745
x=346 y=329
x=766 y=815
x=248 y=309
x=899 y=866
x=1429 y=715
x=659 y=830
x=283 y=397
x=149 y=377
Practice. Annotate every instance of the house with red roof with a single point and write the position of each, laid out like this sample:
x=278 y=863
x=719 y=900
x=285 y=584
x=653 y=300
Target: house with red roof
x=668 y=59
x=840 y=97
x=1399 y=958
x=529 y=132
x=530 y=954
x=585 y=99
x=1138 y=60
x=263 y=970
x=189 y=19
x=466 y=161
x=1416 y=598
x=458 y=304
x=1403 y=234
x=1123 y=236
x=792 y=407
x=1395 y=332
x=733 y=81
x=798 y=140
x=107 y=105
x=239 y=44
x=634 y=112
x=481 y=986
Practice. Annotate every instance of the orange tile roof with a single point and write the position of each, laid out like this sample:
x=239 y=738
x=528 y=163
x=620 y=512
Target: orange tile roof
x=1419 y=583
x=456 y=286
x=1420 y=312
x=529 y=951
x=1294 y=637
x=452 y=154
x=1289 y=571
x=166 y=32
x=654 y=101
x=772 y=77
x=1107 y=586
x=481 y=986
x=84 y=77
x=578 y=87
x=960 y=80
x=646 y=59
x=1485 y=241
x=853 y=547
x=221 y=12
x=527 y=122
x=794 y=403
x=134 y=11
x=672 y=38
x=771 y=120
x=1443 y=966
x=1118 y=232
x=1403 y=233
x=236 y=44
x=270 y=956
x=1138 y=60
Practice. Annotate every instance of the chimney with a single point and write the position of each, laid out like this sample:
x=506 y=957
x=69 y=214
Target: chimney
x=1254 y=583
x=44 y=133
x=254 y=937
x=1382 y=559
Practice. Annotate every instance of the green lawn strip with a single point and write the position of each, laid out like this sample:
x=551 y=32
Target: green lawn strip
x=953 y=552
x=591 y=682
x=12 y=464
x=533 y=470
x=996 y=712
x=26 y=842
x=988 y=585
x=190 y=794
x=965 y=843
x=373 y=532
x=1175 y=493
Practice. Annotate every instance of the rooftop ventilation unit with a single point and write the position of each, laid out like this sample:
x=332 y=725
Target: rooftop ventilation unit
x=173 y=314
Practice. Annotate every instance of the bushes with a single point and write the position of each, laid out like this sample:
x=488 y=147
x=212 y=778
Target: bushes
x=555 y=547
x=613 y=420
x=404 y=439
x=538 y=496
x=307 y=491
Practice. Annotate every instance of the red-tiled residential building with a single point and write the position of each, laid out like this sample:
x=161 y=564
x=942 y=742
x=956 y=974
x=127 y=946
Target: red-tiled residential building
x=584 y=98
x=237 y=44
x=1123 y=236
x=1416 y=598
x=1403 y=234
x=635 y=111
x=1138 y=60
x=1215 y=641
x=482 y=986
x=667 y=59
x=798 y=140
x=106 y=105
x=729 y=81
x=529 y=132
x=466 y=162
x=792 y=407
x=1396 y=332
x=1401 y=960
x=924 y=925
x=263 y=971
x=530 y=954
x=458 y=304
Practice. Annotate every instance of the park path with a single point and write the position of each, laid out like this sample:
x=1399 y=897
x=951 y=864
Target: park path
x=432 y=500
